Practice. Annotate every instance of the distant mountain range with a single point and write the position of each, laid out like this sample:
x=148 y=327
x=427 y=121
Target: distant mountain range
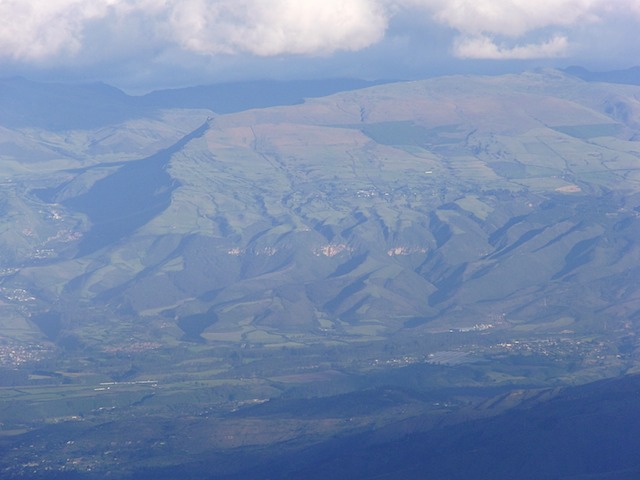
x=57 y=106
x=630 y=76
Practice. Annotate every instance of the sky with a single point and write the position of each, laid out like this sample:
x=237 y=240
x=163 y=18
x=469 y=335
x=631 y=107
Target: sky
x=140 y=45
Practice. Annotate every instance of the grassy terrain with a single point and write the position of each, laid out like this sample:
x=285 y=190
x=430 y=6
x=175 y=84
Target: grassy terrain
x=441 y=241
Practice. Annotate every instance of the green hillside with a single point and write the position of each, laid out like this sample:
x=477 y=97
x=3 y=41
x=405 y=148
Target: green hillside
x=454 y=238
x=442 y=203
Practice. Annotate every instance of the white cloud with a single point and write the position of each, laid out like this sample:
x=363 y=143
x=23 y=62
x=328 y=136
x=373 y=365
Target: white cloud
x=483 y=47
x=59 y=32
x=277 y=27
x=513 y=18
x=479 y=22
x=35 y=29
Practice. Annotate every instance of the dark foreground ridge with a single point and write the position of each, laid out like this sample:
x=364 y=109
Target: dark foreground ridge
x=586 y=432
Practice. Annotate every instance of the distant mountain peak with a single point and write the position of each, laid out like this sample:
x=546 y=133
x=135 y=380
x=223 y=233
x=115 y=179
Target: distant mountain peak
x=629 y=76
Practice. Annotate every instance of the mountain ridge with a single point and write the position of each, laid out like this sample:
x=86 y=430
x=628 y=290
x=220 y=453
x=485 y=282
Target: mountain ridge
x=59 y=106
x=433 y=219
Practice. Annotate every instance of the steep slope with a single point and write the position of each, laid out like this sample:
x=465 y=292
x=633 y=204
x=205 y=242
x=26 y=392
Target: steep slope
x=583 y=433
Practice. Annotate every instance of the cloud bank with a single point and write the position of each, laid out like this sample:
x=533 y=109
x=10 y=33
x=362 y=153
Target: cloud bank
x=43 y=33
x=38 y=29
